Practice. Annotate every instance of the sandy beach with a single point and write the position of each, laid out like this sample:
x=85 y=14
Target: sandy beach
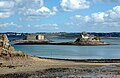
x=33 y=67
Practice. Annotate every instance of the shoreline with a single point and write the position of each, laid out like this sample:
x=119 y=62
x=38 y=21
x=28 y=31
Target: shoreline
x=62 y=43
x=84 y=60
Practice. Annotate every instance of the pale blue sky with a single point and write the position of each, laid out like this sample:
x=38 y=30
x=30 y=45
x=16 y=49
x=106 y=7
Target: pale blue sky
x=59 y=15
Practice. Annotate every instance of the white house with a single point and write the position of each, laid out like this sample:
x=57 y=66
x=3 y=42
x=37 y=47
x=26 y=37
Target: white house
x=85 y=37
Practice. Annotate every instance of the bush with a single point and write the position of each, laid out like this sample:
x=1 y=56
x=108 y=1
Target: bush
x=97 y=38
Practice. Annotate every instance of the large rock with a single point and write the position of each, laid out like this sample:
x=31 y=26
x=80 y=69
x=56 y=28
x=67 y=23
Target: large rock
x=5 y=47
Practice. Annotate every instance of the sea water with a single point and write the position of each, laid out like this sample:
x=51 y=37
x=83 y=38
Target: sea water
x=73 y=52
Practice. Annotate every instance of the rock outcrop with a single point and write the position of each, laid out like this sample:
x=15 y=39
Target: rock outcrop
x=8 y=55
x=5 y=47
x=87 y=39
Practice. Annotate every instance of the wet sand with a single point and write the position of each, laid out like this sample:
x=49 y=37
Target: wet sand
x=33 y=67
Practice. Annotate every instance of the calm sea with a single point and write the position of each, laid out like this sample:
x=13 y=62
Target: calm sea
x=73 y=52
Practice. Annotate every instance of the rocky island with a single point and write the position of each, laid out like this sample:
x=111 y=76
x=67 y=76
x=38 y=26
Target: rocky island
x=84 y=39
x=87 y=39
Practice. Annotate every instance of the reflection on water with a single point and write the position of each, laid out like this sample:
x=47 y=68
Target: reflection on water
x=73 y=52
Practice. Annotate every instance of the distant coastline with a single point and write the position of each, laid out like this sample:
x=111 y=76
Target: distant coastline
x=64 y=34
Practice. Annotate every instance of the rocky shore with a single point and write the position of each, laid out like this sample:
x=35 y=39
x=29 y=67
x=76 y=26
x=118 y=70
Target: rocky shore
x=75 y=72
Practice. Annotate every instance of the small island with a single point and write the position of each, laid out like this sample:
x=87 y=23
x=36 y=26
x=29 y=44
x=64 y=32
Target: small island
x=88 y=39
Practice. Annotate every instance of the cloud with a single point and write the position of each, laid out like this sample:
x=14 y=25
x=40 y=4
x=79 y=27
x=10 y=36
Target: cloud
x=107 y=1
x=107 y=18
x=6 y=8
x=11 y=27
x=26 y=8
x=6 y=4
x=38 y=13
x=5 y=14
x=47 y=26
x=69 y=5
x=46 y=12
x=29 y=3
x=94 y=17
x=2 y=25
x=98 y=17
x=114 y=13
x=36 y=10
x=40 y=2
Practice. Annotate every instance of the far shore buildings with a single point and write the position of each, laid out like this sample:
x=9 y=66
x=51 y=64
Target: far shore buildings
x=35 y=37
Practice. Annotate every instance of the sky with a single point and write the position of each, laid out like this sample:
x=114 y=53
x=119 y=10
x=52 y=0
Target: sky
x=59 y=15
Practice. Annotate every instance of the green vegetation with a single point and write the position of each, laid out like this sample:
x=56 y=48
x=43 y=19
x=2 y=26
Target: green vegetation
x=1 y=38
x=85 y=34
x=90 y=37
x=96 y=38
